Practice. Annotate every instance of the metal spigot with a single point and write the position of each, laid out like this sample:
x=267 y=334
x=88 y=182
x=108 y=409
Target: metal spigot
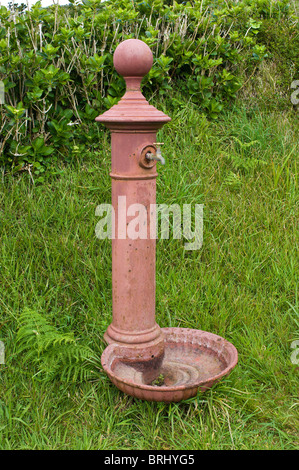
x=156 y=156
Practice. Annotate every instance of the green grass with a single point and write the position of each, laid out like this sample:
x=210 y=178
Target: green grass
x=241 y=285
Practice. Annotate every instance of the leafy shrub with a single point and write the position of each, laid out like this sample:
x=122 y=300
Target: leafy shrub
x=57 y=65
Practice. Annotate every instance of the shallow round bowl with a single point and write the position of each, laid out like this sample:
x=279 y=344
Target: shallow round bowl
x=193 y=361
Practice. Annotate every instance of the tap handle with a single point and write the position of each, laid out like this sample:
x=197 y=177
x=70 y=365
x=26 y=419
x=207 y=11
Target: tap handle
x=158 y=144
x=157 y=156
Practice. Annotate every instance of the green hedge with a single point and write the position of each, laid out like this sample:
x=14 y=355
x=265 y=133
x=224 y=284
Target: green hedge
x=56 y=64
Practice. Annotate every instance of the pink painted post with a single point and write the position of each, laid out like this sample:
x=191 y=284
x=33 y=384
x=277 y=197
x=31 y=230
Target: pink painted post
x=133 y=124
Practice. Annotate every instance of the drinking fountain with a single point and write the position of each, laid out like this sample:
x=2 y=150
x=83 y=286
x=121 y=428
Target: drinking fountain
x=142 y=359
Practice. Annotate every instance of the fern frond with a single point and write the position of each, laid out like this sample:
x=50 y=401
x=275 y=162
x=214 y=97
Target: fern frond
x=233 y=180
x=245 y=145
x=56 y=354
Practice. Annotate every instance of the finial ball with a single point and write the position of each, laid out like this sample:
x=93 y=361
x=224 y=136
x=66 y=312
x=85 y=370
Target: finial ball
x=133 y=58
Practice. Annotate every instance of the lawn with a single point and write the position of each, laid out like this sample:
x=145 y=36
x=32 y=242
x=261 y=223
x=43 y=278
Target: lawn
x=242 y=285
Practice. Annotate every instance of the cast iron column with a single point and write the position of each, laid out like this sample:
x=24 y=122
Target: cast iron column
x=133 y=124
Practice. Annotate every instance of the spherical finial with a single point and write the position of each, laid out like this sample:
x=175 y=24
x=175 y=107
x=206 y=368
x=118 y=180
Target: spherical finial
x=133 y=58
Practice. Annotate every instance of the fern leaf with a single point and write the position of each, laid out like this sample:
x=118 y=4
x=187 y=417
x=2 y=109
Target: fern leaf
x=56 y=354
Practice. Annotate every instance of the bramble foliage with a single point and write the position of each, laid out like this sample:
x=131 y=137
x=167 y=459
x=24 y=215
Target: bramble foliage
x=57 y=65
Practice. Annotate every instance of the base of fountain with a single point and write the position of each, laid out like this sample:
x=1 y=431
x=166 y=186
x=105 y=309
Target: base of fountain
x=193 y=361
